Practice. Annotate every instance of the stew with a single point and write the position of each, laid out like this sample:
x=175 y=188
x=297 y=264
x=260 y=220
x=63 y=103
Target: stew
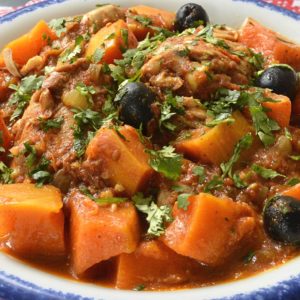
x=144 y=149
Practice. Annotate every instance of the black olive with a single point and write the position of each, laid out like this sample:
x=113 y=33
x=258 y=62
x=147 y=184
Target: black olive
x=135 y=104
x=282 y=79
x=281 y=217
x=189 y=16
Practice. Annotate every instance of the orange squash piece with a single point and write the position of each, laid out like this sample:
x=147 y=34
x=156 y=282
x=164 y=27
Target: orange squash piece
x=29 y=44
x=210 y=229
x=158 y=17
x=153 y=263
x=113 y=39
x=271 y=44
x=279 y=111
x=216 y=144
x=99 y=233
x=293 y=191
x=31 y=219
x=122 y=157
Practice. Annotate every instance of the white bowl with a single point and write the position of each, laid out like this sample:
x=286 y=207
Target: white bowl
x=19 y=281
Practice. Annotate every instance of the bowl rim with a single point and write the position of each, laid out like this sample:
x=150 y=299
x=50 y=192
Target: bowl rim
x=13 y=286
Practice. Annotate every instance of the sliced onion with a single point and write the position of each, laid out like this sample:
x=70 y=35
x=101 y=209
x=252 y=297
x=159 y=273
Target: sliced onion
x=9 y=62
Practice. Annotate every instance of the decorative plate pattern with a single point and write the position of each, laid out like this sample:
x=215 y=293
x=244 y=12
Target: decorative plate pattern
x=12 y=287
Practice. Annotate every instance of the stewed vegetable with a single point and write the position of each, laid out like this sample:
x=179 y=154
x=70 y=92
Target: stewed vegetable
x=139 y=148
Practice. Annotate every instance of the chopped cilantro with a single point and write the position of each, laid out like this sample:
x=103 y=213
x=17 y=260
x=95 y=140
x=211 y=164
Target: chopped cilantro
x=184 y=52
x=156 y=215
x=288 y=134
x=40 y=172
x=30 y=154
x=5 y=173
x=98 y=55
x=142 y=20
x=181 y=188
x=249 y=257
x=169 y=108
x=70 y=54
x=227 y=101
x=265 y=173
x=124 y=35
x=207 y=35
x=214 y=184
x=87 y=122
x=295 y=157
x=257 y=60
x=293 y=181
x=243 y=144
x=139 y=288
x=58 y=25
x=166 y=161
x=23 y=93
x=47 y=125
x=110 y=200
x=200 y=172
x=86 y=91
x=183 y=202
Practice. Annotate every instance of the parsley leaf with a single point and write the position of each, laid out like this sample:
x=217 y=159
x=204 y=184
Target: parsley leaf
x=207 y=35
x=87 y=122
x=166 y=161
x=183 y=202
x=243 y=144
x=214 y=184
x=23 y=93
x=58 y=25
x=293 y=181
x=295 y=157
x=142 y=20
x=226 y=102
x=47 y=125
x=170 y=107
x=70 y=54
x=288 y=134
x=98 y=55
x=156 y=215
x=40 y=173
x=110 y=200
x=265 y=173
x=5 y=173
x=139 y=288
x=257 y=59
x=200 y=172
x=133 y=59
x=86 y=91
x=30 y=155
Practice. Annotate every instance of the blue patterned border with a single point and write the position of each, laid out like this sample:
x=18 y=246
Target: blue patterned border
x=273 y=7
x=14 y=14
x=14 y=288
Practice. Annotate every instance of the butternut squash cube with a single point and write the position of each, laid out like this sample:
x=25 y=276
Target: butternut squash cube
x=154 y=263
x=122 y=158
x=210 y=229
x=113 y=39
x=31 y=219
x=216 y=145
x=99 y=233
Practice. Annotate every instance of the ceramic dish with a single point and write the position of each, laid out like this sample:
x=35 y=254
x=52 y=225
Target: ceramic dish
x=19 y=281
